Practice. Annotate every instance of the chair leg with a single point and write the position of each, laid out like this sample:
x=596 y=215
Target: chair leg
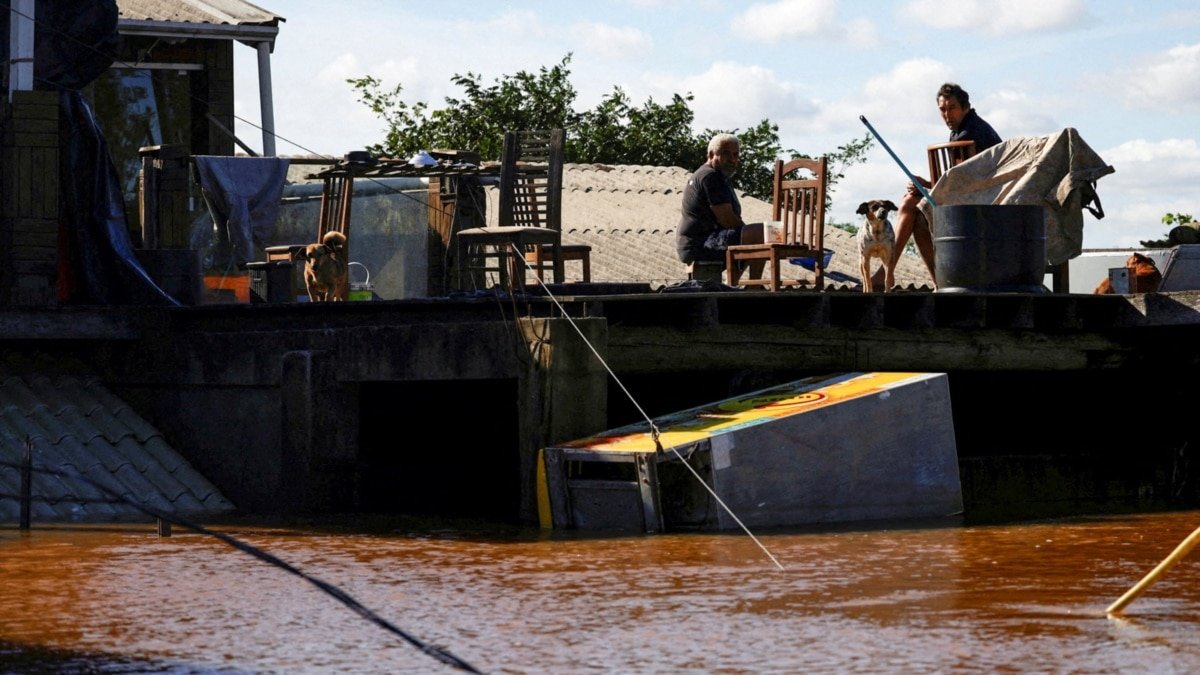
x=557 y=260
x=533 y=256
x=1060 y=279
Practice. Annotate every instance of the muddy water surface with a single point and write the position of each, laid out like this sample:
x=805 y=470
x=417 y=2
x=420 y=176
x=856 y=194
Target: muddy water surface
x=1028 y=597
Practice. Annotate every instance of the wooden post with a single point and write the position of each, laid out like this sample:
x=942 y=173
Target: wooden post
x=164 y=528
x=163 y=197
x=26 y=482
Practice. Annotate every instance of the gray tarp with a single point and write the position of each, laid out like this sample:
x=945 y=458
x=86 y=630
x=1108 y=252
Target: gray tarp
x=243 y=196
x=1057 y=170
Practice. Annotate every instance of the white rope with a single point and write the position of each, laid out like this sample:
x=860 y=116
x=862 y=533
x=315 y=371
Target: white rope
x=653 y=429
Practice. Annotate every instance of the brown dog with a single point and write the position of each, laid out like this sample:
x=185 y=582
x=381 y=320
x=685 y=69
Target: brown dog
x=1144 y=276
x=324 y=267
x=876 y=239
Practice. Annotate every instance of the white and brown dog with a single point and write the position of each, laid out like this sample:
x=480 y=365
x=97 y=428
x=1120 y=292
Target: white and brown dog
x=876 y=239
x=324 y=267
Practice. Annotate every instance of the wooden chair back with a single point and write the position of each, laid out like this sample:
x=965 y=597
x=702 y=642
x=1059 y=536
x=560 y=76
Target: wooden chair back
x=944 y=156
x=531 y=179
x=799 y=202
x=531 y=187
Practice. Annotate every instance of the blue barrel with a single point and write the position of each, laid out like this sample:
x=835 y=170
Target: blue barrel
x=990 y=248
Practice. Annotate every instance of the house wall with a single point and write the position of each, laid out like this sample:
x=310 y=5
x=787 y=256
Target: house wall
x=29 y=198
x=212 y=88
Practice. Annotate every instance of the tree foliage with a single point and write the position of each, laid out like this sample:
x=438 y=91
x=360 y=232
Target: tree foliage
x=616 y=131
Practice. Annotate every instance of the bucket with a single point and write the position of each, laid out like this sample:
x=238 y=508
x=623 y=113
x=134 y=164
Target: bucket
x=990 y=248
x=360 y=290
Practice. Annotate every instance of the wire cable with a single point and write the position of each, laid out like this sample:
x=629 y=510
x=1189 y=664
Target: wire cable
x=337 y=593
x=654 y=431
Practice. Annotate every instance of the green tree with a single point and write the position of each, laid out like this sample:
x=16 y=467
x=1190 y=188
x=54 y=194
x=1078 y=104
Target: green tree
x=1177 y=218
x=614 y=132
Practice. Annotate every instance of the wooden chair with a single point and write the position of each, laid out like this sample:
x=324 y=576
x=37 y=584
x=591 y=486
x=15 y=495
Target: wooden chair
x=944 y=156
x=531 y=194
x=799 y=204
x=529 y=218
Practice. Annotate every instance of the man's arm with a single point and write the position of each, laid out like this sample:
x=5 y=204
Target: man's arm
x=725 y=215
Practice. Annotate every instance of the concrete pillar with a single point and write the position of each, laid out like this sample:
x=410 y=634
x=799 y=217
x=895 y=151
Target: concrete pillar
x=266 y=98
x=21 y=45
x=564 y=392
x=319 y=436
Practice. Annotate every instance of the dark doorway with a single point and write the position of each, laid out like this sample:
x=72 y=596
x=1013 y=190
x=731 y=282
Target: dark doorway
x=440 y=448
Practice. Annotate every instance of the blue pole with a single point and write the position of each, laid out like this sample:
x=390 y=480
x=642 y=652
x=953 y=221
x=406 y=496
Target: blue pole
x=908 y=173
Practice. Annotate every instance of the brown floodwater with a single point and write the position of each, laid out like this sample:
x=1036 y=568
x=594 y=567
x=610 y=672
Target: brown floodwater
x=1025 y=597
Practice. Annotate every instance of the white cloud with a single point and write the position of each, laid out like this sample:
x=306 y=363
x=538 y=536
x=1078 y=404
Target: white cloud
x=342 y=66
x=1157 y=166
x=613 y=41
x=1170 y=79
x=730 y=95
x=405 y=72
x=999 y=17
x=788 y=19
x=654 y=4
x=1014 y=113
x=902 y=99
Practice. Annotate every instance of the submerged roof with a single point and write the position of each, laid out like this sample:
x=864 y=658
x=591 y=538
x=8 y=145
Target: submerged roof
x=76 y=426
x=232 y=12
x=628 y=215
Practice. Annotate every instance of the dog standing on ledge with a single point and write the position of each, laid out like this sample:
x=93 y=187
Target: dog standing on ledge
x=876 y=239
x=1144 y=276
x=324 y=267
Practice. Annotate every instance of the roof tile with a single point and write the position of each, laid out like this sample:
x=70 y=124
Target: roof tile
x=77 y=426
x=628 y=215
x=234 y=12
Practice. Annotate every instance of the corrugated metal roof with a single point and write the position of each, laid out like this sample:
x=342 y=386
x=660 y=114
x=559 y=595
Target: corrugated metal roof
x=231 y=12
x=628 y=215
x=76 y=425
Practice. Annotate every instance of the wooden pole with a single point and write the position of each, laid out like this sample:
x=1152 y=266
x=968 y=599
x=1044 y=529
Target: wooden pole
x=1180 y=551
x=26 y=482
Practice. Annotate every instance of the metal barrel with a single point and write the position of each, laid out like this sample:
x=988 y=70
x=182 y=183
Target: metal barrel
x=990 y=248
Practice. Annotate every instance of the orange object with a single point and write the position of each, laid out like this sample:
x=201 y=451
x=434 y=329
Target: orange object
x=219 y=286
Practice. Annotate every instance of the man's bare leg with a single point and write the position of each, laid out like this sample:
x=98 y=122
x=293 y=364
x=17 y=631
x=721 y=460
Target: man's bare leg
x=911 y=222
x=924 y=240
x=754 y=233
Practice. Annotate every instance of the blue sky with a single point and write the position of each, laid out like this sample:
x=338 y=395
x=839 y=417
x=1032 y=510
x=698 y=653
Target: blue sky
x=1125 y=74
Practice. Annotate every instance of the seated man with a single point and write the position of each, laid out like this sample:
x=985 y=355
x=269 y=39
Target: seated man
x=712 y=216
x=965 y=124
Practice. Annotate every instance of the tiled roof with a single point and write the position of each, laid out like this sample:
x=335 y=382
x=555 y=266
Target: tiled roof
x=628 y=215
x=76 y=425
x=232 y=12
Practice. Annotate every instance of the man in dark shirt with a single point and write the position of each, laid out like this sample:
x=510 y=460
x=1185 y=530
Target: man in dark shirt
x=711 y=218
x=965 y=124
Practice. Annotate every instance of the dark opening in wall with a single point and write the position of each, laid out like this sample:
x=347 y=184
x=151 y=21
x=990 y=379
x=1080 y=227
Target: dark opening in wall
x=444 y=448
